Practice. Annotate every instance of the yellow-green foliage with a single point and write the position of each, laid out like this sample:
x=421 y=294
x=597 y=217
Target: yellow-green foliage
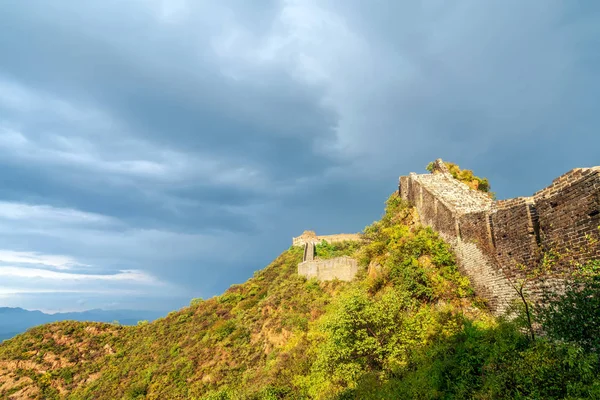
x=466 y=176
x=326 y=250
x=407 y=328
x=372 y=329
x=241 y=339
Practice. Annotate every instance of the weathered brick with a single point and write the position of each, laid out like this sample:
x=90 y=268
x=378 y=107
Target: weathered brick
x=492 y=238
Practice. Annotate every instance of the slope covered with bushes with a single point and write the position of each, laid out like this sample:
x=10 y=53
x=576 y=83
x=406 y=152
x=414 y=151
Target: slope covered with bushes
x=408 y=327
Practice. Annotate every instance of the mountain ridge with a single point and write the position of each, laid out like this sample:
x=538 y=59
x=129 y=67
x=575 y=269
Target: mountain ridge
x=15 y=320
x=410 y=326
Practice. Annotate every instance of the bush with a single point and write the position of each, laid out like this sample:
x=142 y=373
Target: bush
x=466 y=176
x=325 y=250
x=574 y=316
x=194 y=302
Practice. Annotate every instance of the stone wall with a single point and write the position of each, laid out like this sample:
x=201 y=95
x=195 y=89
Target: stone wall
x=312 y=237
x=342 y=268
x=492 y=240
x=309 y=251
x=569 y=214
x=515 y=233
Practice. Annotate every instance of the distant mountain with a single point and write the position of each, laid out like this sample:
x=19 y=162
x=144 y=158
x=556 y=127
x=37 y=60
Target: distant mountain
x=17 y=320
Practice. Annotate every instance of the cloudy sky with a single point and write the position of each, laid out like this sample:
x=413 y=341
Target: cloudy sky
x=153 y=151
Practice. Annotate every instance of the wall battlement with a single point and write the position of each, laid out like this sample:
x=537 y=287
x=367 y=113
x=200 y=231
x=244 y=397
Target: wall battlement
x=312 y=237
x=491 y=238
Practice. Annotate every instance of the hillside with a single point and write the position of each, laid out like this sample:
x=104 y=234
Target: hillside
x=409 y=326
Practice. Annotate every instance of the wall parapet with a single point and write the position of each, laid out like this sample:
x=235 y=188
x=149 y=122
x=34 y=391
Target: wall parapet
x=341 y=268
x=493 y=238
x=312 y=237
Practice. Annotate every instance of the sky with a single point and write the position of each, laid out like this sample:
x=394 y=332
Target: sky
x=153 y=151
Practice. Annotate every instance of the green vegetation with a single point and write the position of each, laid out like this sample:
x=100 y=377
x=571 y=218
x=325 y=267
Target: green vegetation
x=326 y=250
x=409 y=327
x=574 y=316
x=466 y=176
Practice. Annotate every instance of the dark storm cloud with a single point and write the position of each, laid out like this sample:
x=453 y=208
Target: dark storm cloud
x=188 y=141
x=160 y=90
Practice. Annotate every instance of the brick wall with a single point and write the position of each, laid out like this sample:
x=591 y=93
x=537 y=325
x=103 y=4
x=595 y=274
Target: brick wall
x=569 y=215
x=515 y=234
x=491 y=239
x=475 y=228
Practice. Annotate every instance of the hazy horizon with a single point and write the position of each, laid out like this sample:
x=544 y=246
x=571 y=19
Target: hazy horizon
x=157 y=151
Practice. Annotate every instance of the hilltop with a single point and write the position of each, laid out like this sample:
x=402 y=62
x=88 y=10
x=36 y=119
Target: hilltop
x=409 y=325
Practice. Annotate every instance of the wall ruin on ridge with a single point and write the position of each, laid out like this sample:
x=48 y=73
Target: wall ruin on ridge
x=342 y=268
x=491 y=238
x=310 y=236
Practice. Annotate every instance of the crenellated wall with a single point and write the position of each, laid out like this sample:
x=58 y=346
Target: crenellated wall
x=491 y=239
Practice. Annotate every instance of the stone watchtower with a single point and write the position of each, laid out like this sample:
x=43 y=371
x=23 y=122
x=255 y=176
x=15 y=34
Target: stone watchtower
x=342 y=268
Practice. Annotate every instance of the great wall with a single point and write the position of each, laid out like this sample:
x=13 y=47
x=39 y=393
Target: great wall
x=496 y=242
x=342 y=268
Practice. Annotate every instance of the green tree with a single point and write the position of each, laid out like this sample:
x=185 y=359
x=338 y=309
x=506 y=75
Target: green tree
x=574 y=315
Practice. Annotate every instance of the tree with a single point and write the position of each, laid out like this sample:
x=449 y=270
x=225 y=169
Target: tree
x=574 y=315
x=546 y=268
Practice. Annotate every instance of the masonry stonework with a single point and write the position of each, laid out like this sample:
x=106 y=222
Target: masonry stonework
x=342 y=268
x=312 y=237
x=493 y=238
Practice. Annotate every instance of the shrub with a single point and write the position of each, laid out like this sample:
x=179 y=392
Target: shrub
x=194 y=302
x=325 y=250
x=574 y=315
x=466 y=176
